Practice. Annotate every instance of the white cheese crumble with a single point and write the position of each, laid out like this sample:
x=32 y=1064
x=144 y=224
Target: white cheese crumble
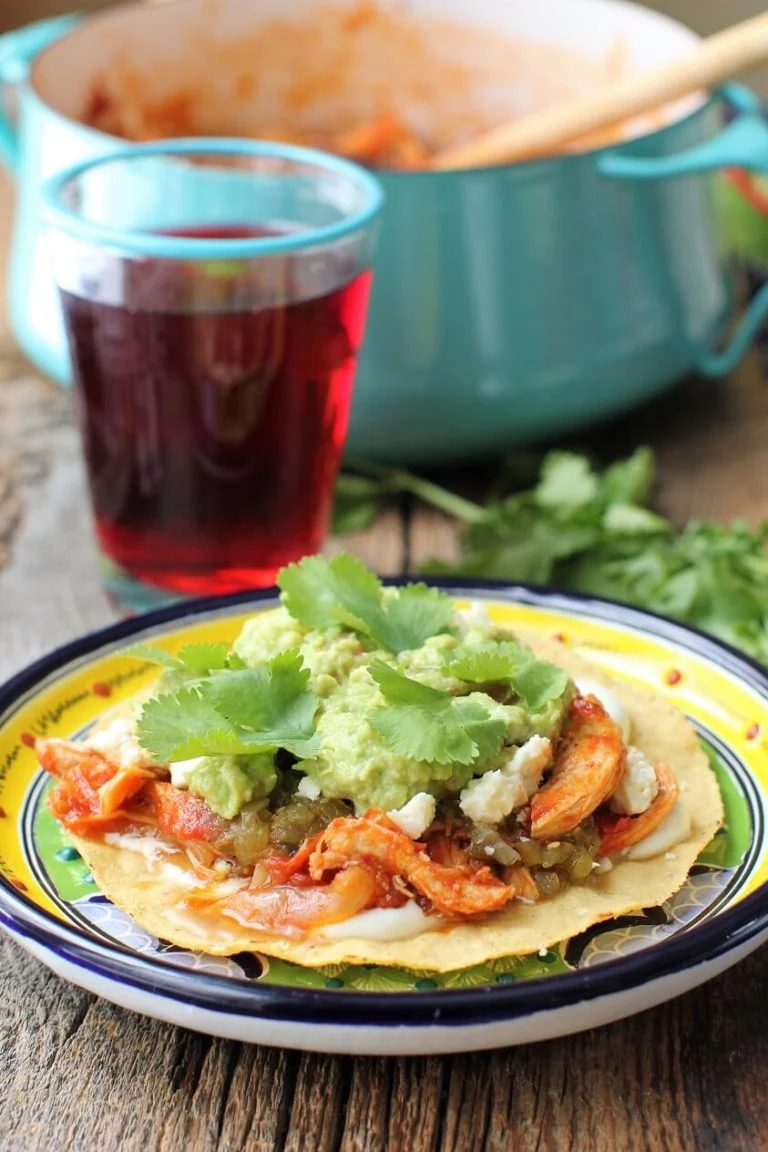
x=491 y=797
x=182 y=769
x=638 y=787
x=416 y=816
x=675 y=828
x=475 y=616
x=610 y=701
x=384 y=924
x=119 y=744
x=308 y=788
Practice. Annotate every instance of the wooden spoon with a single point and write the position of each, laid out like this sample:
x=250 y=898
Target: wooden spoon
x=717 y=58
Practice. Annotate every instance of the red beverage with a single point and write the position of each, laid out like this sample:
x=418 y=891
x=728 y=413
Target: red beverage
x=214 y=409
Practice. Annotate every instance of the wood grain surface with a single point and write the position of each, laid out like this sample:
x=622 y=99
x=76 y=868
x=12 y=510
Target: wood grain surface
x=78 y=1075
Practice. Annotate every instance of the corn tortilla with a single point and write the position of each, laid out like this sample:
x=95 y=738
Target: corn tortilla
x=148 y=889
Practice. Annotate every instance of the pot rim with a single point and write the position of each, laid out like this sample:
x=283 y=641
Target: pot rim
x=706 y=100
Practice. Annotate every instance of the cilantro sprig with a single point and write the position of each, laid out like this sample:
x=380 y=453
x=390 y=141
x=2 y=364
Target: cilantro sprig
x=592 y=531
x=320 y=593
x=424 y=723
x=534 y=681
x=191 y=660
x=233 y=712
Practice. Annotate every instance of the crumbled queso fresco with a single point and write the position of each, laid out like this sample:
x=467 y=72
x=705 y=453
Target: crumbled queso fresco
x=491 y=797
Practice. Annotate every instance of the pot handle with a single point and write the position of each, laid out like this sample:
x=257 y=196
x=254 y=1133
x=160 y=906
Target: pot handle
x=742 y=144
x=17 y=51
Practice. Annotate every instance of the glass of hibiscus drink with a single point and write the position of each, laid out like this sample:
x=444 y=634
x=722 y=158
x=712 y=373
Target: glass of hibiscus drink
x=214 y=295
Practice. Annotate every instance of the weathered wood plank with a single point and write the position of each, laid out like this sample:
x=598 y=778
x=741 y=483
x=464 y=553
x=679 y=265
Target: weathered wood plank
x=381 y=548
x=415 y=1114
x=319 y=1104
x=368 y=1106
x=431 y=536
x=669 y=1080
x=78 y=1073
x=710 y=439
x=49 y=585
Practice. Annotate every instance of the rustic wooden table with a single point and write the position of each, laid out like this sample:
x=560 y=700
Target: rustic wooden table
x=78 y=1075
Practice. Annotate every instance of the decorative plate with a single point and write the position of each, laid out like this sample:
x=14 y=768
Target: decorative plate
x=50 y=905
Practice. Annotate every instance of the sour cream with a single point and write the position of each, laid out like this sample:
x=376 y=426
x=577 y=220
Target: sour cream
x=147 y=846
x=383 y=924
x=610 y=701
x=672 y=830
x=118 y=742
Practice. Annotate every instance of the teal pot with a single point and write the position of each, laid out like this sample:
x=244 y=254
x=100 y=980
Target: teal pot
x=510 y=304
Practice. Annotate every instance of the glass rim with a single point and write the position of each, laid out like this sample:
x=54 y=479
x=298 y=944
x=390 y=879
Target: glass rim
x=57 y=215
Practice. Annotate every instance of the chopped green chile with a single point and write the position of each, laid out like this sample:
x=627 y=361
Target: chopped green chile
x=248 y=838
x=487 y=844
x=548 y=882
x=302 y=817
x=580 y=865
x=558 y=852
x=530 y=852
x=556 y=864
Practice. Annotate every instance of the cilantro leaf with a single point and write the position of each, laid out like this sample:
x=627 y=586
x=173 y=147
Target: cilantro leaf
x=486 y=732
x=487 y=663
x=629 y=520
x=272 y=702
x=204 y=658
x=566 y=481
x=181 y=725
x=152 y=654
x=400 y=689
x=357 y=502
x=414 y=614
x=420 y=734
x=197 y=659
x=236 y=713
x=629 y=481
x=424 y=723
x=321 y=593
x=538 y=682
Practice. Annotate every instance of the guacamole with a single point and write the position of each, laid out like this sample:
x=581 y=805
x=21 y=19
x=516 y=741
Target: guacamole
x=227 y=783
x=354 y=761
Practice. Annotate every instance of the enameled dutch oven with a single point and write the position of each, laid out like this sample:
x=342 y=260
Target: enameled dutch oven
x=510 y=304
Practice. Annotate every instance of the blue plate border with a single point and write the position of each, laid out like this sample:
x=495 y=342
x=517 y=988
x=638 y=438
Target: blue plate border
x=447 y=1007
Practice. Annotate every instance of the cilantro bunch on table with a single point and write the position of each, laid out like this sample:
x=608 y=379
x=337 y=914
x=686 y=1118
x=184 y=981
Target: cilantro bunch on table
x=579 y=528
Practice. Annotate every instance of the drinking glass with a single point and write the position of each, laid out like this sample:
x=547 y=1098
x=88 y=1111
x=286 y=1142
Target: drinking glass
x=214 y=295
